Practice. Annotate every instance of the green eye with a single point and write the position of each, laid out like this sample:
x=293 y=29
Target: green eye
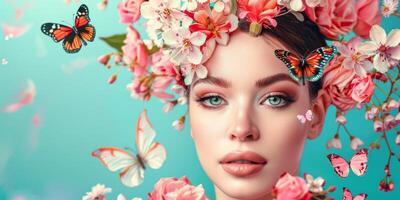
x=211 y=101
x=277 y=101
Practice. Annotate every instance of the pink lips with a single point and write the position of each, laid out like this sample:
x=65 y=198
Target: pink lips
x=243 y=163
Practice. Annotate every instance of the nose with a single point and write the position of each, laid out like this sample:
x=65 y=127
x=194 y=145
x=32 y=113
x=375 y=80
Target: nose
x=244 y=128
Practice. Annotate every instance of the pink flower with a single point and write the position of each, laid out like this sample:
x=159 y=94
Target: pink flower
x=335 y=18
x=191 y=70
x=334 y=142
x=361 y=89
x=353 y=58
x=389 y=122
x=340 y=118
x=367 y=15
x=291 y=188
x=185 y=45
x=259 y=11
x=135 y=53
x=391 y=105
x=336 y=80
x=161 y=12
x=129 y=11
x=103 y=59
x=378 y=126
x=371 y=113
x=27 y=96
x=214 y=24
x=389 y=7
x=174 y=189
x=384 y=48
x=143 y=87
x=355 y=143
x=161 y=65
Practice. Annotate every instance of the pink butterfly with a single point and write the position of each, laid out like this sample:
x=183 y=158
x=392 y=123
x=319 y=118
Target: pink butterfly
x=26 y=97
x=131 y=167
x=348 y=196
x=358 y=163
x=306 y=117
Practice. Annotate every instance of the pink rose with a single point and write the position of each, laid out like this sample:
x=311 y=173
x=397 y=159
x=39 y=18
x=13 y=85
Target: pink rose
x=174 y=189
x=129 y=11
x=336 y=79
x=336 y=17
x=135 y=52
x=367 y=16
x=291 y=188
x=361 y=89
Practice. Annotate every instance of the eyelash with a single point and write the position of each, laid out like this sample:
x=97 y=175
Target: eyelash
x=287 y=100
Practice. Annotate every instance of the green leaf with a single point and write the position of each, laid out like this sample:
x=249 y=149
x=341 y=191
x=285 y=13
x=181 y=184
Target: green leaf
x=115 y=41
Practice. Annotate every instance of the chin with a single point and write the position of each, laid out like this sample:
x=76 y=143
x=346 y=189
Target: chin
x=246 y=190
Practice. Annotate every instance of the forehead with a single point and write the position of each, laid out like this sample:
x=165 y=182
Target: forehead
x=246 y=58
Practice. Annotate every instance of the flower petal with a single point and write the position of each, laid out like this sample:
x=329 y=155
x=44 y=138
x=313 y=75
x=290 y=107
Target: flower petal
x=198 y=38
x=368 y=48
x=378 y=35
x=195 y=56
x=201 y=71
x=395 y=52
x=393 y=38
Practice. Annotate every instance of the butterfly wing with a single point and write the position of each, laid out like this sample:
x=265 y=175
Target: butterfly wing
x=82 y=16
x=153 y=154
x=292 y=62
x=358 y=162
x=360 y=196
x=72 y=43
x=339 y=164
x=316 y=62
x=87 y=32
x=57 y=32
x=347 y=194
x=116 y=159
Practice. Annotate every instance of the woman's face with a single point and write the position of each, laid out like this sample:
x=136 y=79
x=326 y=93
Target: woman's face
x=247 y=103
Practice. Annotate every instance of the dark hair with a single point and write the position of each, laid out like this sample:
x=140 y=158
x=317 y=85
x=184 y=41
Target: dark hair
x=302 y=37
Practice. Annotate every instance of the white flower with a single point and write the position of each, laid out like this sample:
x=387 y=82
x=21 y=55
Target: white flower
x=315 y=185
x=355 y=143
x=384 y=48
x=334 y=142
x=190 y=70
x=189 y=5
x=389 y=7
x=185 y=46
x=98 y=193
x=160 y=12
x=354 y=59
x=295 y=5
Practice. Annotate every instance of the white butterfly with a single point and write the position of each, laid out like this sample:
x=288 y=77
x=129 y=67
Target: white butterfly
x=132 y=167
x=307 y=117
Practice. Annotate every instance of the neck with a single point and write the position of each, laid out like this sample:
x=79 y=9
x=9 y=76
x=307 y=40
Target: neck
x=220 y=195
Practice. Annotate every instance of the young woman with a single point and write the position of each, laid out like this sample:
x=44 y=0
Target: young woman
x=243 y=114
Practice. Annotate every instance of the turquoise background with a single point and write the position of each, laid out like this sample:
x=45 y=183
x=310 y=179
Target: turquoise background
x=81 y=112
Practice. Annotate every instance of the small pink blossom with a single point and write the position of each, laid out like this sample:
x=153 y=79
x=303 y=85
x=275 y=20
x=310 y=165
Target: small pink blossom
x=389 y=122
x=389 y=7
x=129 y=11
x=102 y=5
x=291 y=187
x=371 y=113
x=191 y=71
x=161 y=12
x=27 y=96
x=143 y=88
x=103 y=59
x=340 y=118
x=355 y=143
x=334 y=142
x=378 y=126
x=391 y=105
x=169 y=105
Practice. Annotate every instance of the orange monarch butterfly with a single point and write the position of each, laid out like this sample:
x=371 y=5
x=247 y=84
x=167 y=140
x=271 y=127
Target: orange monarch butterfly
x=310 y=67
x=72 y=37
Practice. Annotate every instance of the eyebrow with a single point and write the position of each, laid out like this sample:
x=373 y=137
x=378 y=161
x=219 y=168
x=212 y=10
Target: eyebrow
x=260 y=83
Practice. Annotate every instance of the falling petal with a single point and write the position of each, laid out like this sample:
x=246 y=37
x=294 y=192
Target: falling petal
x=14 y=31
